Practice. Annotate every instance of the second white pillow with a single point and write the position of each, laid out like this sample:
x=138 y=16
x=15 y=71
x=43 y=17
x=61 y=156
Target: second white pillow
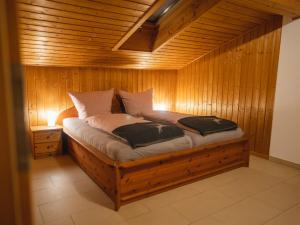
x=137 y=103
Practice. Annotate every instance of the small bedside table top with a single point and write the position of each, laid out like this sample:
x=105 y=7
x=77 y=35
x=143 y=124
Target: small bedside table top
x=45 y=128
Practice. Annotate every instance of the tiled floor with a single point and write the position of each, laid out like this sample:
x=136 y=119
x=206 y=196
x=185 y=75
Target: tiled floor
x=266 y=193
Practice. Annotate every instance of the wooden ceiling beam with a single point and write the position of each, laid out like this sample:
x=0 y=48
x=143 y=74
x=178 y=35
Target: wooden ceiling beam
x=180 y=17
x=138 y=24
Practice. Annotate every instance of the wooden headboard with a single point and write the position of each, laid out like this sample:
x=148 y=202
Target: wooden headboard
x=116 y=107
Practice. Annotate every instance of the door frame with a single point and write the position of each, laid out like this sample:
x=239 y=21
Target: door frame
x=15 y=208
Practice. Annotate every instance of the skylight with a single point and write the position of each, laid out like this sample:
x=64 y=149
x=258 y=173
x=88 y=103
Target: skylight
x=162 y=10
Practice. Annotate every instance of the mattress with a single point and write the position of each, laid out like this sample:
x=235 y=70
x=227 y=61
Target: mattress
x=117 y=149
x=199 y=140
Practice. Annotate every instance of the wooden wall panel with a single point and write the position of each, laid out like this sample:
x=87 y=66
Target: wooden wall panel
x=236 y=81
x=47 y=87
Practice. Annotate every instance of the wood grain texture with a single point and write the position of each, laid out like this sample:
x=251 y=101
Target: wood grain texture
x=47 y=87
x=139 y=23
x=185 y=13
x=129 y=181
x=46 y=141
x=15 y=204
x=236 y=81
x=83 y=33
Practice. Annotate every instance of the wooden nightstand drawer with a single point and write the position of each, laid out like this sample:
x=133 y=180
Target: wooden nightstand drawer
x=46 y=141
x=47 y=136
x=46 y=147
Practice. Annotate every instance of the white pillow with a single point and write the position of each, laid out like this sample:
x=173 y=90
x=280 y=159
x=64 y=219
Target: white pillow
x=92 y=103
x=137 y=103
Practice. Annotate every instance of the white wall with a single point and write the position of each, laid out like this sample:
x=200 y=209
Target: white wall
x=285 y=140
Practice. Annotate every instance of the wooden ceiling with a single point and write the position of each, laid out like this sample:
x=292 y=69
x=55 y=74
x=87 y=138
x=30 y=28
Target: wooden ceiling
x=89 y=32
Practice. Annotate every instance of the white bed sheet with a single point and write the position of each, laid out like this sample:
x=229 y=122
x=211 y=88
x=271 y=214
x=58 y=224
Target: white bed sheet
x=197 y=138
x=115 y=148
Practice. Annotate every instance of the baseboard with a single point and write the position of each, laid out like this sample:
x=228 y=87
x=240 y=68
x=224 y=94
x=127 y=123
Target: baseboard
x=259 y=155
x=284 y=162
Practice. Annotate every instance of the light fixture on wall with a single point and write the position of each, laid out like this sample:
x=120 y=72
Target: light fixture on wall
x=160 y=107
x=51 y=117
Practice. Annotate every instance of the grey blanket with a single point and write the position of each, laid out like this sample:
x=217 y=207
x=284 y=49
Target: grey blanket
x=144 y=134
x=208 y=124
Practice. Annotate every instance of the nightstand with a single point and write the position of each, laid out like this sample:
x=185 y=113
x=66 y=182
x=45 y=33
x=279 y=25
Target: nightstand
x=46 y=141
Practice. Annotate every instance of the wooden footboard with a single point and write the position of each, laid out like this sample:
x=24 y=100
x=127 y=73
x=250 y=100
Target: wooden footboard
x=104 y=174
x=125 y=182
x=156 y=174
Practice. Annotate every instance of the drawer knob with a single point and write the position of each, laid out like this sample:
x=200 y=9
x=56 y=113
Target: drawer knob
x=48 y=137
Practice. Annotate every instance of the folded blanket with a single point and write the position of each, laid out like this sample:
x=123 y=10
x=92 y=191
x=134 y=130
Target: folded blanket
x=198 y=124
x=144 y=134
x=208 y=124
x=136 y=131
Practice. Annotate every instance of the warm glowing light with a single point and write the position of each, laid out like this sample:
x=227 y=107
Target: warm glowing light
x=160 y=106
x=51 y=116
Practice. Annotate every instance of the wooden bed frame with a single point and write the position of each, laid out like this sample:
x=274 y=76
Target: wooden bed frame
x=125 y=182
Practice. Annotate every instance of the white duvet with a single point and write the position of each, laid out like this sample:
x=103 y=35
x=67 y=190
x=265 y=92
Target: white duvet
x=109 y=122
x=171 y=117
x=197 y=138
x=117 y=149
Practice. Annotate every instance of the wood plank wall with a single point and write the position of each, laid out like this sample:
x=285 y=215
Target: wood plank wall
x=47 y=87
x=236 y=81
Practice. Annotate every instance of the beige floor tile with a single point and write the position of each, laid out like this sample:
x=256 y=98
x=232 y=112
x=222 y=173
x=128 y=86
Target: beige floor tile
x=63 y=189
x=249 y=183
x=64 y=221
x=169 y=197
x=67 y=196
x=63 y=207
x=223 y=178
x=272 y=168
x=207 y=221
x=45 y=163
x=290 y=217
x=81 y=185
x=202 y=185
x=294 y=180
x=47 y=167
x=36 y=216
x=246 y=212
x=46 y=195
x=181 y=193
x=45 y=172
x=281 y=196
x=69 y=175
x=156 y=201
x=97 y=215
x=41 y=184
x=202 y=205
x=162 y=216
x=132 y=210
x=66 y=206
x=252 y=175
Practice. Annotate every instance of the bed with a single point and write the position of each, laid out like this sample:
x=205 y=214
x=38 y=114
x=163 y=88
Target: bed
x=128 y=180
